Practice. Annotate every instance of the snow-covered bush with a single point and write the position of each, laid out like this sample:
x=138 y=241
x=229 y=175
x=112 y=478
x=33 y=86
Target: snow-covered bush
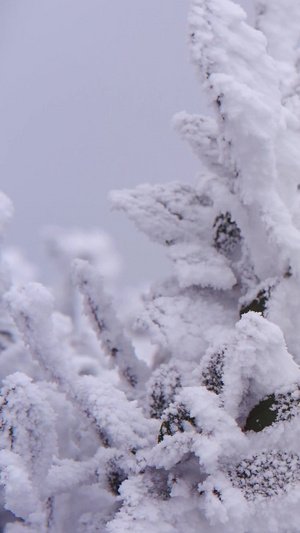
x=206 y=437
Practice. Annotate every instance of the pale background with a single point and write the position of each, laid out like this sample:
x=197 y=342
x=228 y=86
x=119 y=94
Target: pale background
x=88 y=90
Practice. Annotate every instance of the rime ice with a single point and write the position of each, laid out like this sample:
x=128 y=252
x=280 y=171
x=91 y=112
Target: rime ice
x=205 y=436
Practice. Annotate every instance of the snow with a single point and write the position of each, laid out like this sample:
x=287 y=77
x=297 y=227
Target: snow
x=203 y=435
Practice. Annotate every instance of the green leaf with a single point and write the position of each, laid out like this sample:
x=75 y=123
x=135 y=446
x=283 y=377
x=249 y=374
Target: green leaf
x=275 y=408
x=259 y=304
x=264 y=414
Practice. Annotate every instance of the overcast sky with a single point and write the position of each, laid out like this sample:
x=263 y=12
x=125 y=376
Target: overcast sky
x=88 y=91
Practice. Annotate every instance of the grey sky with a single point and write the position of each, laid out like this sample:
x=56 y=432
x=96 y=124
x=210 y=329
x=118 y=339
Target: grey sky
x=88 y=92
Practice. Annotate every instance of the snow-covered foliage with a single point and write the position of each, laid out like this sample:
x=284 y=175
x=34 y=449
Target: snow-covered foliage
x=205 y=436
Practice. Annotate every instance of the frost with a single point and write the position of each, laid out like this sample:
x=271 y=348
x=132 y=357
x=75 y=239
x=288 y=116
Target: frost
x=180 y=218
x=203 y=434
